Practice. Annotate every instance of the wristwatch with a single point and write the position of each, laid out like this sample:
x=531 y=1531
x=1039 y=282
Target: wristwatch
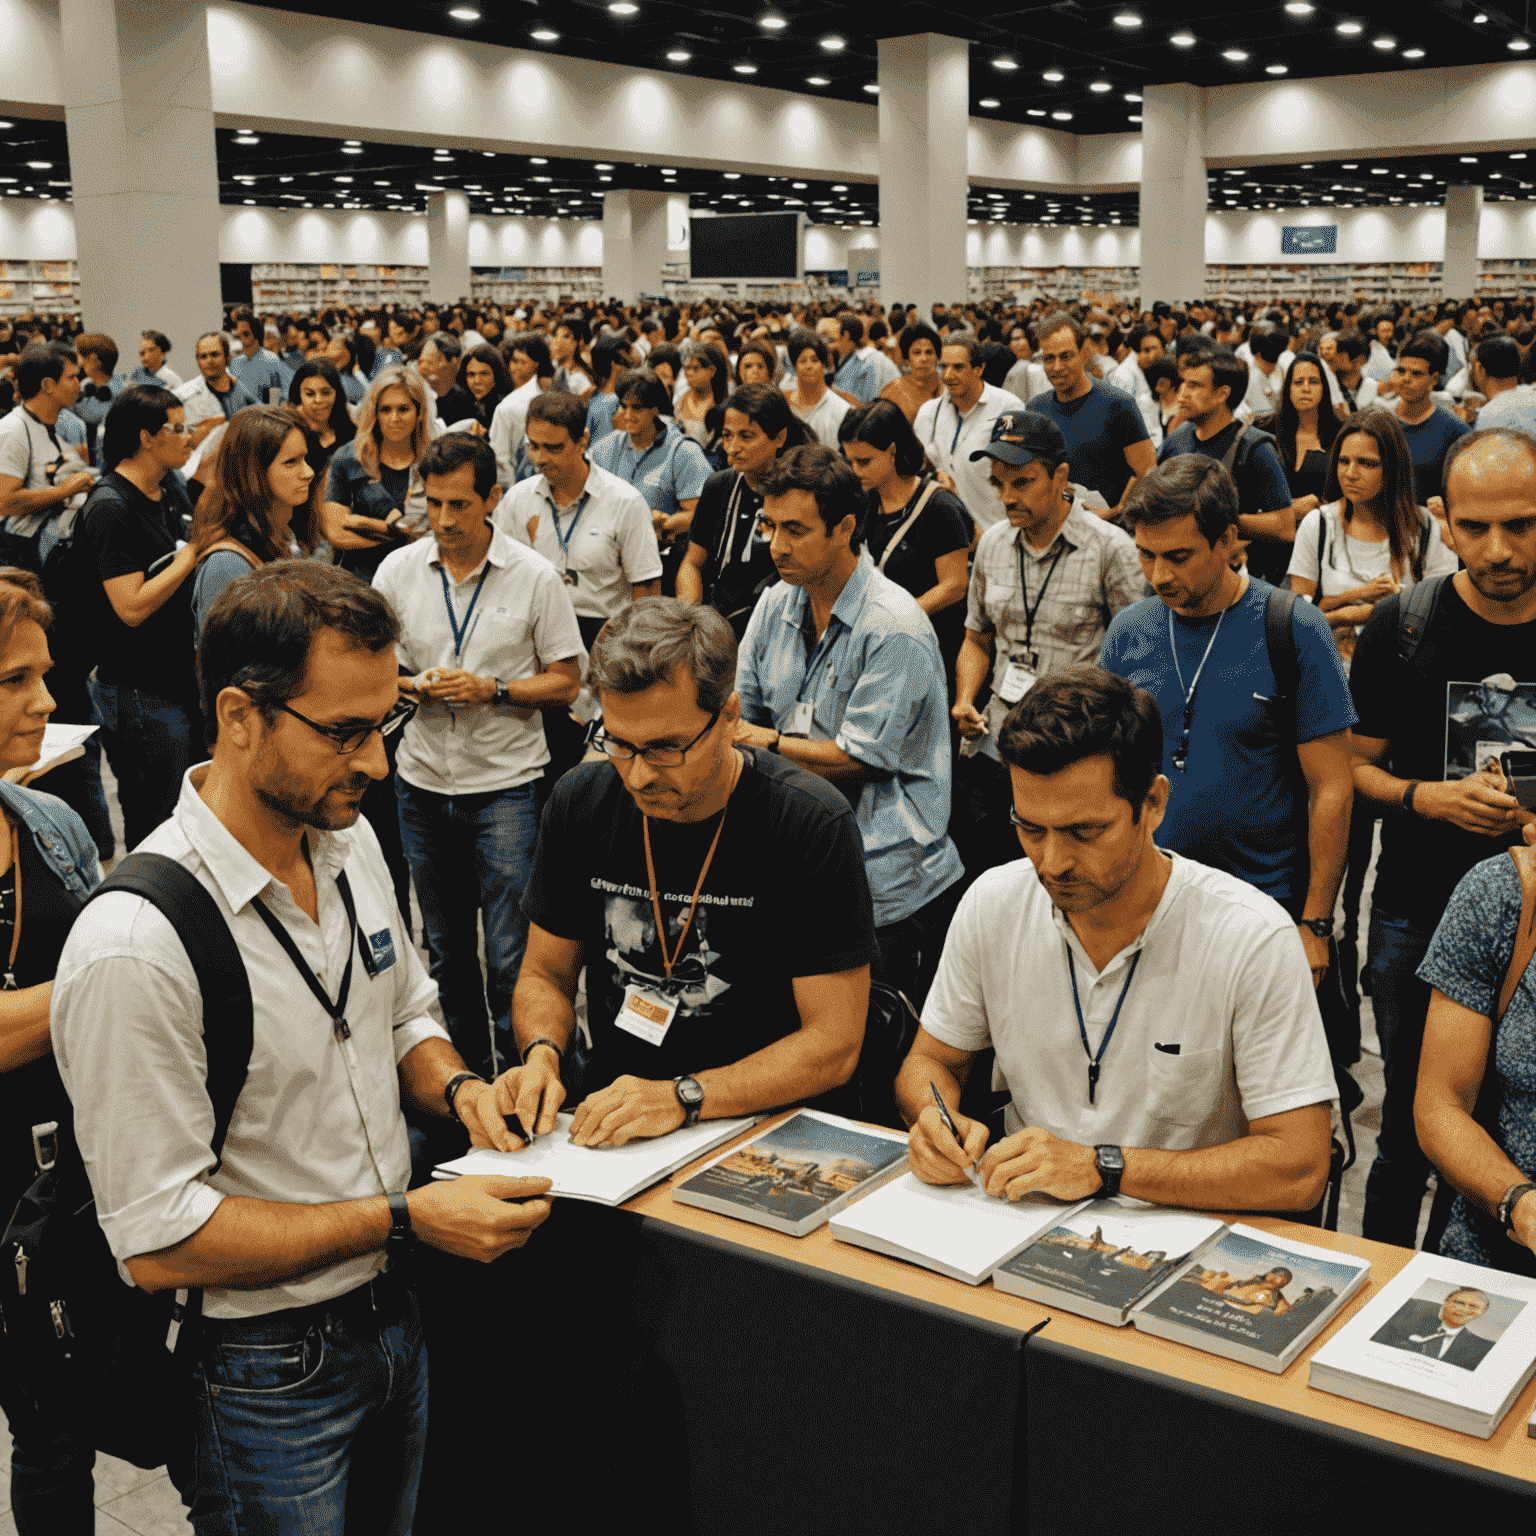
x=1110 y=1162
x=402 y=1236
x=1512 y=1197
x=451 y=1090
x=1321 y=926
x=500 y=696
x=1408 y=795
x=690 y=1094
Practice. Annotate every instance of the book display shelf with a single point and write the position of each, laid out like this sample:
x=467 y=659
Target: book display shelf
x=39 y=288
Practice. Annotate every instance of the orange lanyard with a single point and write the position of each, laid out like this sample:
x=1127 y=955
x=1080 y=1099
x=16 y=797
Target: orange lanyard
x=668 y=961
x=10 y=965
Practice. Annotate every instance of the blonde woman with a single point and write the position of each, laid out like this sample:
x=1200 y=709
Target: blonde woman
x=374 y=499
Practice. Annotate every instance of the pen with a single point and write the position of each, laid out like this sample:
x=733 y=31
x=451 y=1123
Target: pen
x=516 y=1127
x=954 y=1130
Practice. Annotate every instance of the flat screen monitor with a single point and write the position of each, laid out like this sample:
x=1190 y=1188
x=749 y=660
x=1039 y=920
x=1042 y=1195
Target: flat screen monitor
x=745 y=245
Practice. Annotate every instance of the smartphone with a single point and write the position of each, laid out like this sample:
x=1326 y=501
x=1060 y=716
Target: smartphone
x=1520 y=776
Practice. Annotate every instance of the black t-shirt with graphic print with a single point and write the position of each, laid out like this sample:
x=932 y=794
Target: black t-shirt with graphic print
x=785 y=896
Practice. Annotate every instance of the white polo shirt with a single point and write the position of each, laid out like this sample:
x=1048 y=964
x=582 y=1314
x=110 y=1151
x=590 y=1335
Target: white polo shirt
x=522 y=621
x=1219 y=1028
x=318 y=1119
x=949 y=439
x=610 y=545
x=508 y=422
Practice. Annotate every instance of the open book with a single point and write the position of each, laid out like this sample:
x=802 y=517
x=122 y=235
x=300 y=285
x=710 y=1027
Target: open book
x=604 y=1175
x=798 y=1174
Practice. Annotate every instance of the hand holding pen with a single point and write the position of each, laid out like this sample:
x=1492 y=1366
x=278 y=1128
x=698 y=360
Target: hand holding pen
x=940 y=1152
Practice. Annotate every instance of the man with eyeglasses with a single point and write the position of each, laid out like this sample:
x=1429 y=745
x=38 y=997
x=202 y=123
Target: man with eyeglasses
x=309 y=1390
x=715 y=894
x=488 y=640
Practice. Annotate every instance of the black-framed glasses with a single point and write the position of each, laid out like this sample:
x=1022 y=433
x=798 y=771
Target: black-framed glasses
x=657 y=757
x=352 y=738
x=1017 y=820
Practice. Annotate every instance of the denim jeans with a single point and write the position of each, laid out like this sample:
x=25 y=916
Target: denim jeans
x=492 y=834
x=309 y=1427
x=52 y=1489
x=150 y=743
x=1395 y=1187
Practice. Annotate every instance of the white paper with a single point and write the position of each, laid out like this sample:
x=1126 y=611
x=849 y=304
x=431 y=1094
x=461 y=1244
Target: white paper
x=607 y=1175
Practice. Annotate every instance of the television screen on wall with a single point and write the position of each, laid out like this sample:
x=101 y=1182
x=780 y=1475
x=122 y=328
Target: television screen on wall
x=746 y=245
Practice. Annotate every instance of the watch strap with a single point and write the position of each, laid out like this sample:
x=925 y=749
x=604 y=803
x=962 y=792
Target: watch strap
x=500 y=696
x=452 y=1086
x=543 y=1040
x=402 y=1236
x=1321 y=926
x=690 y=1108
x=1409 y=793
x=1512 y=1197
x=1110 y=1170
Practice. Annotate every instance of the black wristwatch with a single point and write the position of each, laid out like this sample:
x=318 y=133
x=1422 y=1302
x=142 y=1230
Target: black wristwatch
x=500 y=696
x=1512 y=1197
x=402 y=1236
x=1110 y=1162
x=690 y=1094
x=451 y=1090
x=1321 y=926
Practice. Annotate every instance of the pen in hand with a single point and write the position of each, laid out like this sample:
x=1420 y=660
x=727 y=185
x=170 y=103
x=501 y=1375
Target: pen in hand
x=954 y=1130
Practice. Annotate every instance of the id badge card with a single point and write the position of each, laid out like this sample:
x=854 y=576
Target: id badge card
x=800 y=719
x=1017 y=681
x=646 y=1013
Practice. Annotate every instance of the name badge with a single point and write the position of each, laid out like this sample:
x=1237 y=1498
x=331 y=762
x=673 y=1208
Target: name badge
x=800 y=719
x=646 y=1013
x=381 y=946
x=1017 y=681
x=569 y=576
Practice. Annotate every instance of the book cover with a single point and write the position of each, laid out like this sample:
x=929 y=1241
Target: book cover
x=796 y=1175
x=1254 y=1297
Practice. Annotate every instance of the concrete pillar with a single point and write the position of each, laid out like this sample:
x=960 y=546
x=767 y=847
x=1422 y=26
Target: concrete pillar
x=138 y=114
x=1463 y=219
x=448 y=277
x=635 y=239
x=925 y=106
x=1173 y=197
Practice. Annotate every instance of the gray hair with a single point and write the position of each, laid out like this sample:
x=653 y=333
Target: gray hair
x=646 y=643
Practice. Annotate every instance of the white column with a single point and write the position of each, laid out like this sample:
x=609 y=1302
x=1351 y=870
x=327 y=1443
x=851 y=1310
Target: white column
x=925 y=108
x=138 y=114
x=634 y=242
x=447 y=247
x=1173 y=197
x=1463 y=219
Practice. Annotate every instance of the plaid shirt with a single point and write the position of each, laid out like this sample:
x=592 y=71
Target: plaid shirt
x=1088 y=573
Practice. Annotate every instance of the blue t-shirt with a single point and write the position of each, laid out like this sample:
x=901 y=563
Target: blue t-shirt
x=1098 y=427
x=600 y=413
x=1260 y=476
x=671 y=470
x=1427 y=444
x=1239 y=804
x=1466 y=960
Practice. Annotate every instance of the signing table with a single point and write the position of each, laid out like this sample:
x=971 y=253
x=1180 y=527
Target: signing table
x=826 y=1388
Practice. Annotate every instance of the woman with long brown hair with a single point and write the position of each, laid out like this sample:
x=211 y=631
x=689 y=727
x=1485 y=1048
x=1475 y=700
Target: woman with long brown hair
x=263 y=501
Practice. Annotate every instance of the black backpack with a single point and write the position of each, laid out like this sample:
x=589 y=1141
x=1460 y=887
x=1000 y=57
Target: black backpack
x=81 y=1352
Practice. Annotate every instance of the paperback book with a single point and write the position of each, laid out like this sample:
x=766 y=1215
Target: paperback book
x=1450 y=1343
x=955 y=1229
x=1253 y=1298
x=1106 y=1256
x=798 y=1174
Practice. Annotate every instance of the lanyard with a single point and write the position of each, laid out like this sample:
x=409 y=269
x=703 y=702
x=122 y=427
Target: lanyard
x=565 y=538
x=920 y=497
x=959 y=423
x=461 y=631
x=1082 y=1030
x=337 y=1010
x=1030 y=613
x=668 y=961
x=634 y=474
x=1181 y=752
x=819 y=653
x=10 y=964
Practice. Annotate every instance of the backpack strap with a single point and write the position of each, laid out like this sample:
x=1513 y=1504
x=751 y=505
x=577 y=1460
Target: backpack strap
x=1280 y=642
x=234 y=546
x=1415 y=614
x=1525 y=934
x=1229 y=458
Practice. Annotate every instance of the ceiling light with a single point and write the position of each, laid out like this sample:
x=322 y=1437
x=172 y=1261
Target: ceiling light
x=1277 y=69
x=833 y=43
x=1469 y=159
x=1127 y=19
x=772 y=21
x=544 y=35
x=1100 y=86
x=1183 y=39
x=736 y=176
x=247 y=138
x=1518 y=155
x=605 y=178
x=989 y=101
x=1299 y=8
x=1236 y=55
x=817 y=80
x=1131 y=96
x=7 y=124
x=1480 y=18
x=351 y=143
x=349 y=149
x=537 y=160
x=1062 y=117
x=872 y=89
x=464 y=13
x=1133 y=117
x=1352 y=165
x=1034 y=111
x=839 y=188
x=1517 y=44
x=1349 y=28
x=1007 y=63
x=1386 y=44
x=1413 y=53
x=341 y=178
x=39 y=165
x=1380 y=170
x=623 y=8
x=745 y=69
x=1053 y=74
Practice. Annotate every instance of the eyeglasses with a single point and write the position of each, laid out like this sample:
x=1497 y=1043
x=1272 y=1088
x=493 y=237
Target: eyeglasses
x=1016 y=819
x=657 y=757
x=349 y=739
x=182 y=430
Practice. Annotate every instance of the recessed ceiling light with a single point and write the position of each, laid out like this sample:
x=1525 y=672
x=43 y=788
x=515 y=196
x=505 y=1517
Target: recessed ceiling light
x=1469 y=159
x=7 y=124
x=731 y=175
x=341 y=178
x=1386 y=44
x=839 y=188
x=1349 y=28
x=1007 y=63
x=1236 y=55
x=817 y=80
x=464 y=13
x=1518 y=155
x=989 y=101
x=39 y=165
x=1183 y=39
x=623 y=8
x=772 y=21
x=1127 y=19
x=1101 y=86
x=247 y=138
x=1055 y=76
x=1518 y=44
x=1480 y=18
x=872 y=88
x=349 y=149
x=1062 y=117
x=544 y=35
x=1277 y=69
x=1380 y=170
x=1034 y=111
x=1299 y=8
x=1133 y=117
x=745 y=69
x=833 y=43
x=1413 y=53
x=1352 y=165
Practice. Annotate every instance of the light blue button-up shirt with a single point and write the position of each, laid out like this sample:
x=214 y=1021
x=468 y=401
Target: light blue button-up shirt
x=671 y=470
x=876 y=685
x=260 y=373
x=865 y=373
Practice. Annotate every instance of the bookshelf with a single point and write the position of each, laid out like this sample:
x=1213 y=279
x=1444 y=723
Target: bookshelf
x=39 y=288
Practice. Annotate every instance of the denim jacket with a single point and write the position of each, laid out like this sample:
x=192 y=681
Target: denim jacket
x=60 y=835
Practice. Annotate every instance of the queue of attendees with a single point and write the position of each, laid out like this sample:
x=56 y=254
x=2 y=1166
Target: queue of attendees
x=512 y=606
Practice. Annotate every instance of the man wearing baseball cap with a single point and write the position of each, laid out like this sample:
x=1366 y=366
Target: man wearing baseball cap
x=1045 y=583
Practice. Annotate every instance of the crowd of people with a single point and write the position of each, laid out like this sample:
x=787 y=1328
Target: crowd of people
x=510 y=606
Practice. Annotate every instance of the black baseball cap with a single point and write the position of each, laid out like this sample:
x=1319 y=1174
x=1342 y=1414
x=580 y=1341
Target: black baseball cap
x=1019 y=436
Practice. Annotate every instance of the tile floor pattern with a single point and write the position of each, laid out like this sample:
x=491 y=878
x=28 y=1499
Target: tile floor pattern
x=131 y=1500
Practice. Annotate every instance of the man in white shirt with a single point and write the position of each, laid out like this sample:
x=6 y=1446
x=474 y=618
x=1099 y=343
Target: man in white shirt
x=309 y=1398
x=1146 y=347
x=1154 y=1020
x=210 y=399
x=531 y=368
x=38 y=477
x=959 y=422
x=488 y=640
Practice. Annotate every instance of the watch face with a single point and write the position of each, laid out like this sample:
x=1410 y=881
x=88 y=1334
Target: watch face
x=1110 y=1157
x=690 y=1090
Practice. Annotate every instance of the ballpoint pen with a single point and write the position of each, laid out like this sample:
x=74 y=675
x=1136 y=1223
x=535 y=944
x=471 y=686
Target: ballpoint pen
x=954 y=1130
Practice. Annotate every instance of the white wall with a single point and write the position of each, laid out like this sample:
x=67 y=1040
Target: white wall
x=32 y=230
x=1365 y=234
x=34 y=84
x=1027 y=245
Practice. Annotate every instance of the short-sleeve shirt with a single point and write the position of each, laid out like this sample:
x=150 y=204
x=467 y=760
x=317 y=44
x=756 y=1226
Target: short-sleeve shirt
x=1260 y=476
x=266 y=371
x=1511 y=408
x=673 y=469
x=1222 y=977
x=1428 y=441
x=37 y=458
x=351 y=486
x=604 y=544
x=120 y=532
x=1098 y=427
x=949 y=439
x=1421 y=860
x=1467 y=961
x=876 y=686
x=942 y=528
x=785 y=896
x=601 y=409
x=1239 y=804
x=739 y=568
x=824 y=418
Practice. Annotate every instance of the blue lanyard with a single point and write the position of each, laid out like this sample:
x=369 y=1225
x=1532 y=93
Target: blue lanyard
x=460 y=631
x=661 y=442
x=1093 y=1061
x=822 y=651
x=959 y=423
x=565 y=538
